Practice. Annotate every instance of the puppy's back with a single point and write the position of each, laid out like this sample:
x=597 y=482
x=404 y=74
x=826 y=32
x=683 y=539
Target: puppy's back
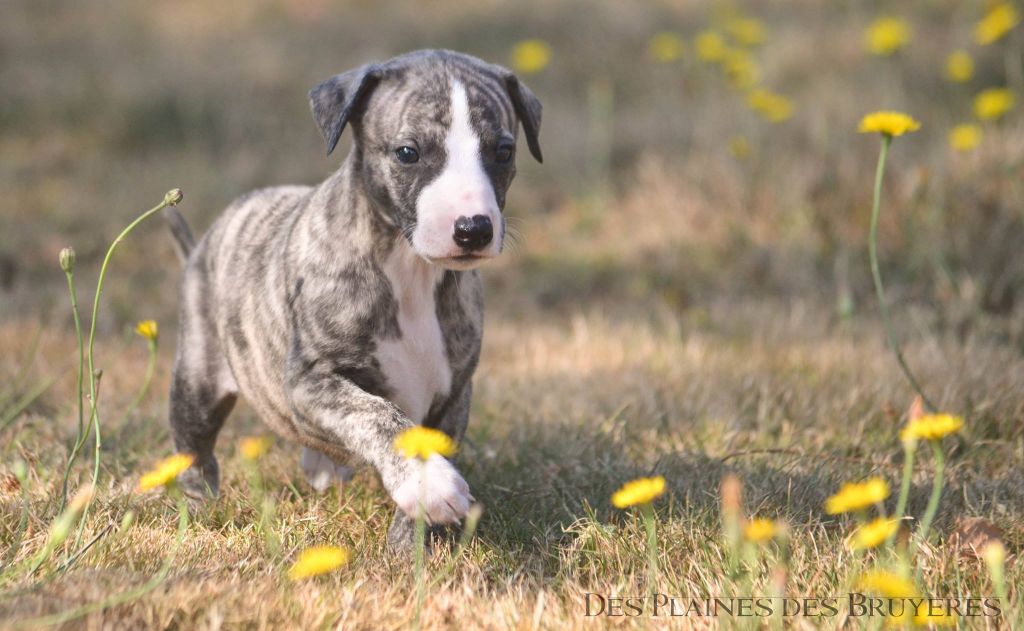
x=240 y=243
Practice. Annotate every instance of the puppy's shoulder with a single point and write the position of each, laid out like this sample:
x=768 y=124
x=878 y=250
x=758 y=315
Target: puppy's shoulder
x=268 y=199
x=263 y=205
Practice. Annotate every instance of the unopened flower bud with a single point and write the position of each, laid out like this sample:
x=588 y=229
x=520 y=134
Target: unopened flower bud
x=173 y=197
x=127 y=521
x=67 y=259
x=148 y=329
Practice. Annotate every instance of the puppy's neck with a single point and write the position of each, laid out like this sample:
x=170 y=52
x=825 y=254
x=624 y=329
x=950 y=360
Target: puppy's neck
x=348 y=214
x=413 y=279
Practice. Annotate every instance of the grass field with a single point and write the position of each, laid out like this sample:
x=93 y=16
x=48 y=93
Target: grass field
x=689 y=297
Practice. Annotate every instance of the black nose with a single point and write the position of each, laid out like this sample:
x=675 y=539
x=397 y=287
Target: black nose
x=473 y=233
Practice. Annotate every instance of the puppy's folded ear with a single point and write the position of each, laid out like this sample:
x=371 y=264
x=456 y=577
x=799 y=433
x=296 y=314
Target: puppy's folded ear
x=336 y=100
x=528 y=110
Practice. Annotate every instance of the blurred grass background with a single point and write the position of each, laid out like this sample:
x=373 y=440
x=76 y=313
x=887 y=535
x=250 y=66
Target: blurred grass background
x=660 y=183
x=690 y=295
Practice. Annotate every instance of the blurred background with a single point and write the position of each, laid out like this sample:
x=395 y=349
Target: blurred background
x=689 y=294
x=695 y=151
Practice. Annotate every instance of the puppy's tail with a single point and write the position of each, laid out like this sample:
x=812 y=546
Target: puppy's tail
x=184 y=242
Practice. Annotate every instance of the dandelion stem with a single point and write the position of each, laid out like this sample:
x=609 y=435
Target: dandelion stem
x=79 y=379
x=652 y=548
x=908 y=472
x=94 y=415
x=933 y=501
x=877 y=276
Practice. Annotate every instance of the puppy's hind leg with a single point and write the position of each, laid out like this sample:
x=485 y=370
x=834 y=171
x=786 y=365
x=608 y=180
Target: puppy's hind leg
x=203 y=389
x=322 y=471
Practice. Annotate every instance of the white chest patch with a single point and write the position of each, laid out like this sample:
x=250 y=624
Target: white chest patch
x=416 y=364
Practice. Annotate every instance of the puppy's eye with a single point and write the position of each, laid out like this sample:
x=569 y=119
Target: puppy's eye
x=407 y=155
x=504 y=153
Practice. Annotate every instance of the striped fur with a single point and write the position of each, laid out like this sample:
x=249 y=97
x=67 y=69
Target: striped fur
x=314 y=304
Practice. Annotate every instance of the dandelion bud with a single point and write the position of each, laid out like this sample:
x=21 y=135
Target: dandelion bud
x=127 y=521
x=67 y=260
x=20 y=469
x=173 y=197
x=148 y=329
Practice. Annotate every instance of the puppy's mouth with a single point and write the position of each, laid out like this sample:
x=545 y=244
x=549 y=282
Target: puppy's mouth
x=460 y=261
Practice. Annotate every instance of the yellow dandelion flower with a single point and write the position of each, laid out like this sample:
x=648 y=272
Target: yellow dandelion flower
x=886 y=584
x=999 y=21
x=640 y=491
x=166 y=471
x=423 y=442
x=886 y=35
x=253 y=447
x=931 y=427
x=926 y=618
x=148 y=329
x=855 y=496
x=665 y=47
x=317 y=561
x=761 y=530
x=741 y=69
x=710 y=46
x=992 y=103
x=965 y=137
x=888 y=124
x=530 y=56
x=959 y=66
x=994 y=553
x=772 y=107
x=872 y=534
x=745 y=31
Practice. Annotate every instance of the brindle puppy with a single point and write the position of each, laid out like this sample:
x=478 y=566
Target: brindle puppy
x=349 y=311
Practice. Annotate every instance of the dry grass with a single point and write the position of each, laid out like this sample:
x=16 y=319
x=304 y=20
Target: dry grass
x=567 y=408
x=669 y=308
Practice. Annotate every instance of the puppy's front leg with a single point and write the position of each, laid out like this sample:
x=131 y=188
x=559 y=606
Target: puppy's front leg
x=327 y=406
x=451 y=420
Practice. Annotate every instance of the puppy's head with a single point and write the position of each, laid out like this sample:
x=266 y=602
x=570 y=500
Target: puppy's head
x=435 y=145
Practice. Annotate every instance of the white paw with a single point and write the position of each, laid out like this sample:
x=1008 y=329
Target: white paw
x=439 y=487
x=321 y=471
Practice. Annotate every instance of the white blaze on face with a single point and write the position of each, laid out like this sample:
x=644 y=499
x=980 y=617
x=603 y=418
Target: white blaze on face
x=462 y=189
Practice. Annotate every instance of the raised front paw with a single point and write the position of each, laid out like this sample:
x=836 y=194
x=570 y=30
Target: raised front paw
x=438 y=487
